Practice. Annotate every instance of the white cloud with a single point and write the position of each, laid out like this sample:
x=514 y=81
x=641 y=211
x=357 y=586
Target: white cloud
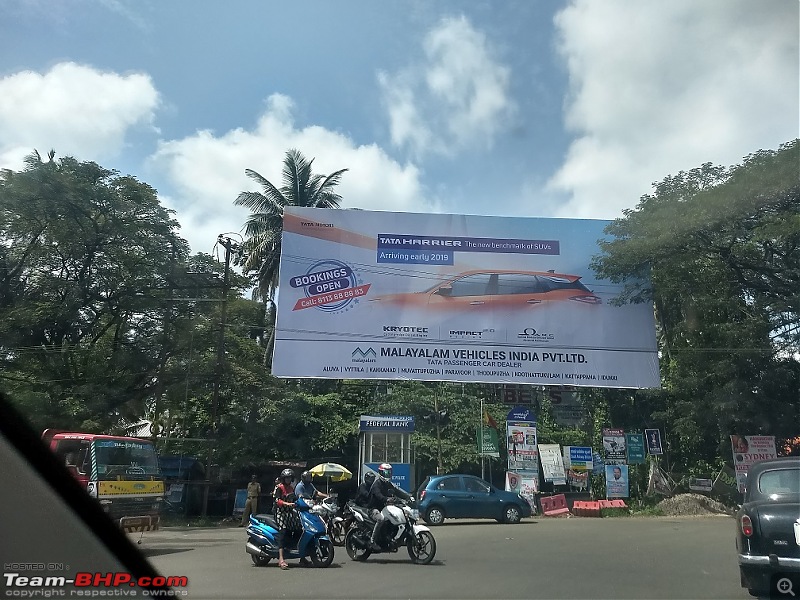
x=206 y=172
x=658 y=87
x=458 y=96
x=74 y=109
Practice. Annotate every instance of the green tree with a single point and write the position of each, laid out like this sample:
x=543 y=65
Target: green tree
x=84 y=253
x=722 y=249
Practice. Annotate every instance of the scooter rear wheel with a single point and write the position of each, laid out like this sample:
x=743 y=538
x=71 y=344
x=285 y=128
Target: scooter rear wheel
x=260 y=561
x=354 y=550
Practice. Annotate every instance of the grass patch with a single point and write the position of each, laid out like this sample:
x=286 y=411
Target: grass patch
x=644 y=508
x=614 y=512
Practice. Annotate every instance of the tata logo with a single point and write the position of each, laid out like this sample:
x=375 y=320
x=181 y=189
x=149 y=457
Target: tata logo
x=138 y=486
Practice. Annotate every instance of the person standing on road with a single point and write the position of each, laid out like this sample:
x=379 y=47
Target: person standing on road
x=251 y=505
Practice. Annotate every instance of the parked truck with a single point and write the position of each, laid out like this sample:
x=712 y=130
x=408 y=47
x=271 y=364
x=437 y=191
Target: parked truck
x=122 y=473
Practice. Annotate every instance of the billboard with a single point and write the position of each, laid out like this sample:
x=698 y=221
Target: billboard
x=437 y=297
x=748 y=449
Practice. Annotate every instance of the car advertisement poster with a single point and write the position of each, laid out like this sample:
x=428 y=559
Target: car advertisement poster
x=552 y=464
x=614 y=446
x=617 y=481
x=439 y=297
x=748 y=449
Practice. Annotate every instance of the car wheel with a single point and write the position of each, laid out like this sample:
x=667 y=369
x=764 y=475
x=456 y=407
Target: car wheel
x=434 y=516
x=512 y=514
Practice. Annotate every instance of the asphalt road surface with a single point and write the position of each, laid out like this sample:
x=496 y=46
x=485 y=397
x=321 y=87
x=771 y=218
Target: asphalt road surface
x=678 y=557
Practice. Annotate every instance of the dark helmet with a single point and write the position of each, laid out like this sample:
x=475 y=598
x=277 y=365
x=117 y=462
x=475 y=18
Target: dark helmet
x=369 y=477
x=287 y=473
x=385 y=471
x=306 y=477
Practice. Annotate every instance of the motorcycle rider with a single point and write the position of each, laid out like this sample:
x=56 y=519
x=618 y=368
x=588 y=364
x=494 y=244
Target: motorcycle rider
x=306 y=489
x=379 y=494
x=285 y=514
x=362 y=497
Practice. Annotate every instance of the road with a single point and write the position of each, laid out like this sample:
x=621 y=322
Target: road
x=678 y=557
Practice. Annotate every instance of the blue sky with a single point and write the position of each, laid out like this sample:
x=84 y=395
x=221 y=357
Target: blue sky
x=511 y=108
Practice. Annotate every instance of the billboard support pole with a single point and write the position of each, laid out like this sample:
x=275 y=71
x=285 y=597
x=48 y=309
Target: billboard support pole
x=480 y=428
x=439 y=467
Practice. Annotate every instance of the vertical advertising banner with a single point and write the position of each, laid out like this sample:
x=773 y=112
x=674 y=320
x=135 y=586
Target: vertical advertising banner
x=614 y=446
x=748 y=449
x=523 y=454
x=653 y=437
x=552 y=464
x=617 y=481
x=521 y=441
x=635 y=444
x=578 y=463
x=488 y=442
x=439 y=297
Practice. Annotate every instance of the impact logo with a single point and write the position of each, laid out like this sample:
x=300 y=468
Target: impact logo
x=330 y=286
x=468 y=334
x=363 y=356
x=529 y=334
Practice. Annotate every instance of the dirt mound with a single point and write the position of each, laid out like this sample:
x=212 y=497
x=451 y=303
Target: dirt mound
x=692 y=505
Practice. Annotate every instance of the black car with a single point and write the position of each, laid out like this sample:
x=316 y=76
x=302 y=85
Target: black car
x=768 y=527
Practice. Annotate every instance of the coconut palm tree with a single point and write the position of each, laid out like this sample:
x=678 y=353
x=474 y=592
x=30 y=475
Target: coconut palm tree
x=262 y=246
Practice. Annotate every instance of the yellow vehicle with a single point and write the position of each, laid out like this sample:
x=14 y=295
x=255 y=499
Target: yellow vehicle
x=121 y=472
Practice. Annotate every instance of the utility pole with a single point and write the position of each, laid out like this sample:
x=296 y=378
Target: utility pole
x=230 y=248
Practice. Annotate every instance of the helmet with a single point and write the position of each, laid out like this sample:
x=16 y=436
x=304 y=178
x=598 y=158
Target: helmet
x=287 y=473
x=369 y=477
x=306 y=476
x=385 y=471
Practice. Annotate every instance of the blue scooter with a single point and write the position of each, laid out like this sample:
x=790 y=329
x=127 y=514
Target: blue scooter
x=312 y=541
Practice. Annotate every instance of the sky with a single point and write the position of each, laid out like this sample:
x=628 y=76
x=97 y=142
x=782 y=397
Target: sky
x=505 y=107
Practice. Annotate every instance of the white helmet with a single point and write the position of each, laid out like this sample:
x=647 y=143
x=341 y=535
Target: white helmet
x=385 y=471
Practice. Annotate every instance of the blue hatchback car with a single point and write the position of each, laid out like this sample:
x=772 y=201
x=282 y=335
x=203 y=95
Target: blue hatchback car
x=456 y=496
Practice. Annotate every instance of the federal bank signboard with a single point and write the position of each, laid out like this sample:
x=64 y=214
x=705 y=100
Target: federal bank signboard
x=437 y=297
